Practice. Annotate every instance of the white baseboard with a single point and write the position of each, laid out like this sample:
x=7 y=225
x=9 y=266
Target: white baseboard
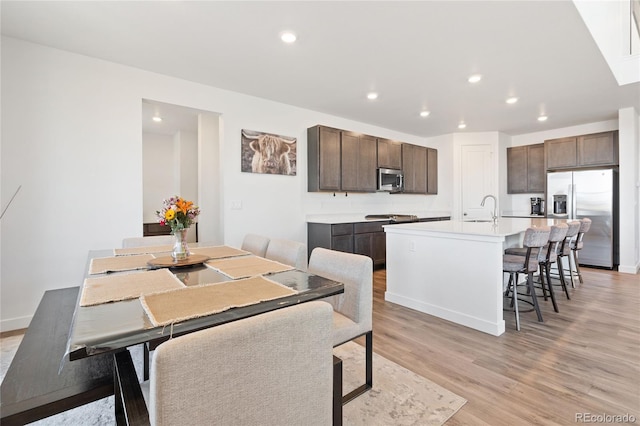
x=627 y=269
x=15 y=323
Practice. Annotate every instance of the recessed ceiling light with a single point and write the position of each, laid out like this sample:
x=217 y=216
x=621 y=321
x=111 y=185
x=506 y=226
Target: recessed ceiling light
x=542 y=118
x=288 y=37
x=157 y=119
x=475 y=78
x=424 y=113
x=372 y=95
x=512 y=100
x=461 y=126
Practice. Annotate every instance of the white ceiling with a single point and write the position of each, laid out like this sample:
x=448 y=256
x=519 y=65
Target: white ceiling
x=416 y=55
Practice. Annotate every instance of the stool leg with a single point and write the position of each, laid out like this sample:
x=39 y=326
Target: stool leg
x=514 y=302
x=575 y=260
x=541 y=274
x=563 y=282
x=534 y=299
x=569 y=261
x=547 y=268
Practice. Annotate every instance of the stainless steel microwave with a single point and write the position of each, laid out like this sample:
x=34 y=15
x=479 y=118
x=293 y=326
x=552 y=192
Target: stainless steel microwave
x=390 y=180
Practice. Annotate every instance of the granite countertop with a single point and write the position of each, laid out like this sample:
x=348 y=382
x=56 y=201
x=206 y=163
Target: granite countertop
x=360 y=217
x=504 y=227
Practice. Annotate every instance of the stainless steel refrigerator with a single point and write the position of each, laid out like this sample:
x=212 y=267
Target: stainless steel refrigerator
x=592 y=194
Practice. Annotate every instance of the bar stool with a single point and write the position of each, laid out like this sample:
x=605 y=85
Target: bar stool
x=576 y=246
x=534 y=238
x=565 y=251
x=546 y=257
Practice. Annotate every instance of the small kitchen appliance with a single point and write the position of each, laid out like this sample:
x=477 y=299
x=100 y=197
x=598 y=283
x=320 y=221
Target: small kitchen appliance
x=537 y=206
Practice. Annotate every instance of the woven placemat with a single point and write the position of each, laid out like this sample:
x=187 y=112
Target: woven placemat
x=113 y=288
x=247 y=266
x=100 y=265
x=193 y=302
x=219 y=252
x=142 y=250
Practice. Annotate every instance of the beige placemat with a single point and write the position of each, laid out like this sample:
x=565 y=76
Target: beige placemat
x=247 y=266
x=193 y=302
x=100 y=265
x=142 y=250
x=219 y=252
x=113 y=288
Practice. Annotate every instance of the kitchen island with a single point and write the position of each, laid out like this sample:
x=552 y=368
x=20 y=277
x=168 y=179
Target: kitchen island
x=453 y=269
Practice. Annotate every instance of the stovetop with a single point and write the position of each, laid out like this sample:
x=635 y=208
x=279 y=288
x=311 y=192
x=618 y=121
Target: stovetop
x=395 y=218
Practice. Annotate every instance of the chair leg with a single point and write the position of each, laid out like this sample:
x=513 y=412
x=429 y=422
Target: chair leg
x=337 y=391
x=534 y=299
x=145 y=361
x=547 y=268
x=368 y=371
x=570 y=260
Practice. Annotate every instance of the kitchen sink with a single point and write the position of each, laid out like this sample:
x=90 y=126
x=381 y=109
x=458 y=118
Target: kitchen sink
x=479 y=220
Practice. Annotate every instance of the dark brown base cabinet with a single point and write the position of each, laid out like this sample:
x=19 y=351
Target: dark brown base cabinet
x=366 y=238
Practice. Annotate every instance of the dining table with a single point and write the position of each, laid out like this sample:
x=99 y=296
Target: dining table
x=104 y=323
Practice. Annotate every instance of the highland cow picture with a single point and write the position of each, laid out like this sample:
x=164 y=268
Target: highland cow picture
x=267 y=153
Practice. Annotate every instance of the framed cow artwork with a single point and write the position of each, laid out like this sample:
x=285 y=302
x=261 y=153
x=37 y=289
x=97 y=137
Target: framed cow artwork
x=268 y=153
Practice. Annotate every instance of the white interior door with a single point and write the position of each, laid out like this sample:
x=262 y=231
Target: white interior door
x=477 y=181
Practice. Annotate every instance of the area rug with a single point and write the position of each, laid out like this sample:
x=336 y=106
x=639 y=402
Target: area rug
x=399 y=396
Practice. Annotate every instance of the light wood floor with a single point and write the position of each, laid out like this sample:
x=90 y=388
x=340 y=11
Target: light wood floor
x=584 y=359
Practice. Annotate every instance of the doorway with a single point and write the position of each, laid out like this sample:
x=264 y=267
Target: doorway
x=172 y=142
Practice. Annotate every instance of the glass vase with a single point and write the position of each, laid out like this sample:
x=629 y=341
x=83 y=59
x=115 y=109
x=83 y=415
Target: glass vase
x=180 y=247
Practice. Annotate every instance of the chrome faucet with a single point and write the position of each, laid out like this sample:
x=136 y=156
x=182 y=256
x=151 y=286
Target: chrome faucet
x=495 y=206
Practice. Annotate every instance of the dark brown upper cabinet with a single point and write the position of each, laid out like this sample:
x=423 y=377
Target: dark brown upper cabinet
x=339 y=160
x=525 y=169
x=598 y=149
x=414 y=168
x=389 y=154
x=432 y=171
x=358 y=162
x=323 y=159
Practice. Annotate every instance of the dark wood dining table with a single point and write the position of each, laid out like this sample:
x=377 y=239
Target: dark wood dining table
x=114 y=326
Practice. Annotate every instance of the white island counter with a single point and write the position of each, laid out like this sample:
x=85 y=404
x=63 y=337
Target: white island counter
x=453 y=269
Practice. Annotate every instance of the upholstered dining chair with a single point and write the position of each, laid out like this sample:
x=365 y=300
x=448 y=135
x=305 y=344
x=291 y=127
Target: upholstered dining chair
x=289 y=252
x=513 y=264
x=271 y=369
x=352 y=310
x=156 y=240
x=256 y=244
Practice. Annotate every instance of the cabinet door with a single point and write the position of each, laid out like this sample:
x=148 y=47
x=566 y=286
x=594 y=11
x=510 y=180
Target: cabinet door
x=342 y=243
x=389 y=154
x=432 y=171
x=536 y=175
x=323 y=159
x=358 y=162
x=517 y=170
x=561 y=153
x=379 y=248
x=414 y=162
x=598 y=149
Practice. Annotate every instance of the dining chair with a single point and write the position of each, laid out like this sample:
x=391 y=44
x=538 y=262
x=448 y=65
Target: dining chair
x=156 y=240
x=270 y=369
x=289 y=252
x=256 y=244
x=353 y=309
x=513 y=264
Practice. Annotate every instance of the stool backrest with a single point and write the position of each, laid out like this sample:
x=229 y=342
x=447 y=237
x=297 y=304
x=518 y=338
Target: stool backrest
x=572 y=231
x=535 y=239
x=556 y=236
x=585 y=225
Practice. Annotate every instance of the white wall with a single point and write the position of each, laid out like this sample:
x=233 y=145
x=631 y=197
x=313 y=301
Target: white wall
x=157 y=174
x=71 y=136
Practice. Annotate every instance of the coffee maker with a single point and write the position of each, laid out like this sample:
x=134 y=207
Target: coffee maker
x=537 y=206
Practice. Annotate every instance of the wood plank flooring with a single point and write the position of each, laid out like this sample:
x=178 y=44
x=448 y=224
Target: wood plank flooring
x=584 y=359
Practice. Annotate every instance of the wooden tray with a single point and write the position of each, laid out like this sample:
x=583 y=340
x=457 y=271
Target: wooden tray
x=169 y=262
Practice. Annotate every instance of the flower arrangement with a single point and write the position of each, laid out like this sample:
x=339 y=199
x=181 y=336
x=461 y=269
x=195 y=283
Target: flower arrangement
x=178 y=213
